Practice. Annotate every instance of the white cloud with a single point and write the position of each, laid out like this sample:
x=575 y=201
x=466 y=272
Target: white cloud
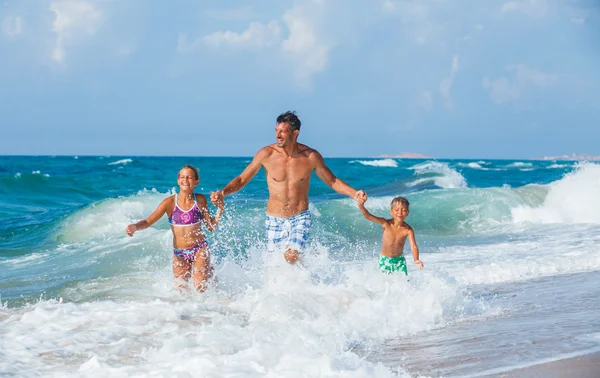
x=12 y=26
x=579 y=21
x=501 y=90
x=479 y=27
x=534 y=8
x=74 y=19
x=304 y=46
x=446 y=83
x=257 y=34
x=504 y=89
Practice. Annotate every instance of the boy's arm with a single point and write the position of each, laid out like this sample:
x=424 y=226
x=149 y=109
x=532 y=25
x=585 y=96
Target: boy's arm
x=414 y=249
x=210 y=222
x=155 y=216
x=369 y=216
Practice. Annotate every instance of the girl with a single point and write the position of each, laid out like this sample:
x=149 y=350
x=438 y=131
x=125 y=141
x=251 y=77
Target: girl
x=186 y=211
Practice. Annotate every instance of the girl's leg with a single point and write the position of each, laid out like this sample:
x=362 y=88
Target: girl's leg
x=182 y=270
x=202 y=269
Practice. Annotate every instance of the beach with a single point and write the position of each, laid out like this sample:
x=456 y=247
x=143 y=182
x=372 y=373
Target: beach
x=509 y=286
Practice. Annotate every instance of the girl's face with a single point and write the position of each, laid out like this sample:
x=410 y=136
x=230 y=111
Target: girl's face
x=187 y=180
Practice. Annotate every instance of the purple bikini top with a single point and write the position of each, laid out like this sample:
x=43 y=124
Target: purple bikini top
x=181 y=217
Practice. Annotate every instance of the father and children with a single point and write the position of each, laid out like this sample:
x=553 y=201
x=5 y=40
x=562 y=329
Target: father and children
x=288 y=166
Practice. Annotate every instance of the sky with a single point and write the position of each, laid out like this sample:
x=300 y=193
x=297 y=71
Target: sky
x=444 y=78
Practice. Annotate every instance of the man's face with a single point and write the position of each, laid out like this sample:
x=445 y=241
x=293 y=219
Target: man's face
x=284 y=135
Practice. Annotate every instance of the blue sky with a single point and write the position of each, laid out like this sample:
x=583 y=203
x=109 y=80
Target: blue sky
x=449 y=79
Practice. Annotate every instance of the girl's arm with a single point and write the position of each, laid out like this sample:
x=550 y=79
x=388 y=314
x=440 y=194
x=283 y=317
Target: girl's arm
x=414 y=249
x=368 y=215
x=155 y=216
x=210 y=222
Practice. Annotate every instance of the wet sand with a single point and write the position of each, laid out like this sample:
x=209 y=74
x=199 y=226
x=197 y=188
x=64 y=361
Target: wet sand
x=586 y=366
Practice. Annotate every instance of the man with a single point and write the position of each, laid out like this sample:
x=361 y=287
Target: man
x=288 y=165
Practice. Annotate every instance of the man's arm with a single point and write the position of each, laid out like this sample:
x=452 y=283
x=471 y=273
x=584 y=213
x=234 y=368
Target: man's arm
x=155 y=216
x=414 y=249
x=324 y=173
x=248 y=174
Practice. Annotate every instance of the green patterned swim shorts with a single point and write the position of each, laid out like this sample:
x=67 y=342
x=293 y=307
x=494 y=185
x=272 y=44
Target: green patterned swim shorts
x=391 y=265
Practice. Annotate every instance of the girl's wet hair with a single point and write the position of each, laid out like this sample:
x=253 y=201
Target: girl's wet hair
x=400 y=201
x=194 y=169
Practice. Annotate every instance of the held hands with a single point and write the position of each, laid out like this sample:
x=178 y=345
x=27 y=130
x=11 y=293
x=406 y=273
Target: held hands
x=130 y=229
x=217 y=199
x=419 y=263
x=360 y=197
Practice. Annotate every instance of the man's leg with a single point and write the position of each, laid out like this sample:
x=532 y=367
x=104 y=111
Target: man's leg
x=292 y=256
x=300 y=228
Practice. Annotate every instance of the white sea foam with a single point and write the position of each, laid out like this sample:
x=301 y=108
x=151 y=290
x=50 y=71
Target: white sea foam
x=285 y=321
x=446 y=177
x=472 y=165
x=557 y=166
x=519 y=164
x=110 y=217
x=39 y=173
x=545 y=252
x=378 y=163
x=122 y=161
x=572 y=199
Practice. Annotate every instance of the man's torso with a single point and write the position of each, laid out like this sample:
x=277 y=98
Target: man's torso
x=288 y=179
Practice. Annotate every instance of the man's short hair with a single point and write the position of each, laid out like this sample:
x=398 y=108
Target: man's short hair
x=291 y=119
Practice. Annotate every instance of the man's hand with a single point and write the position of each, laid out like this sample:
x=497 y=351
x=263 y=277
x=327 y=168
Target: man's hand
x=217 y=197
x=360 y=197
x=130 y=229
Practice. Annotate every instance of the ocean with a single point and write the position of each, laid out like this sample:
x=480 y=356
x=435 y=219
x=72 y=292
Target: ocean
x=511 y=251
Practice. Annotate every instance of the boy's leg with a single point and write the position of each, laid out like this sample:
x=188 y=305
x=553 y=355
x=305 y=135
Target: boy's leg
x=181 y=270
x=202 y=269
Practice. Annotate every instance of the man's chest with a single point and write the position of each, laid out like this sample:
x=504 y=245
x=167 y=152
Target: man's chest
x=288 y=169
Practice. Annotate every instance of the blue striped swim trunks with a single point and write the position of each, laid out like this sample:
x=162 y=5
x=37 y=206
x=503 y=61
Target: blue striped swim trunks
x=288 y=233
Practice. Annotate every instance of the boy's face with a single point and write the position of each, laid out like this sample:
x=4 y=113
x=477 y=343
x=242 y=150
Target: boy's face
x=187 y=179
x=399 y=212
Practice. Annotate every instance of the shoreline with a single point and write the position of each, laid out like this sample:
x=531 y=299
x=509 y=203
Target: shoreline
x=581 y=366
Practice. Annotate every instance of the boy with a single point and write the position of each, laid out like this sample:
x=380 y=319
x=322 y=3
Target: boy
x=395 y=232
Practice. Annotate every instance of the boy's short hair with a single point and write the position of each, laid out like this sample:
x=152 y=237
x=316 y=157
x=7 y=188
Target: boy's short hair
x=291 y=119
x=400 y=201
x=194 y=169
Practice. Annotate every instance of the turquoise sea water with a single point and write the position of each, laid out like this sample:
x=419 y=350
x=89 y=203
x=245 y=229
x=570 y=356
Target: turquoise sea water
x=501 y=242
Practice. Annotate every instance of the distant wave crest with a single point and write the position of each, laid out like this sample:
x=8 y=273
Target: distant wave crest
x=378 y=163
x=122 y=162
